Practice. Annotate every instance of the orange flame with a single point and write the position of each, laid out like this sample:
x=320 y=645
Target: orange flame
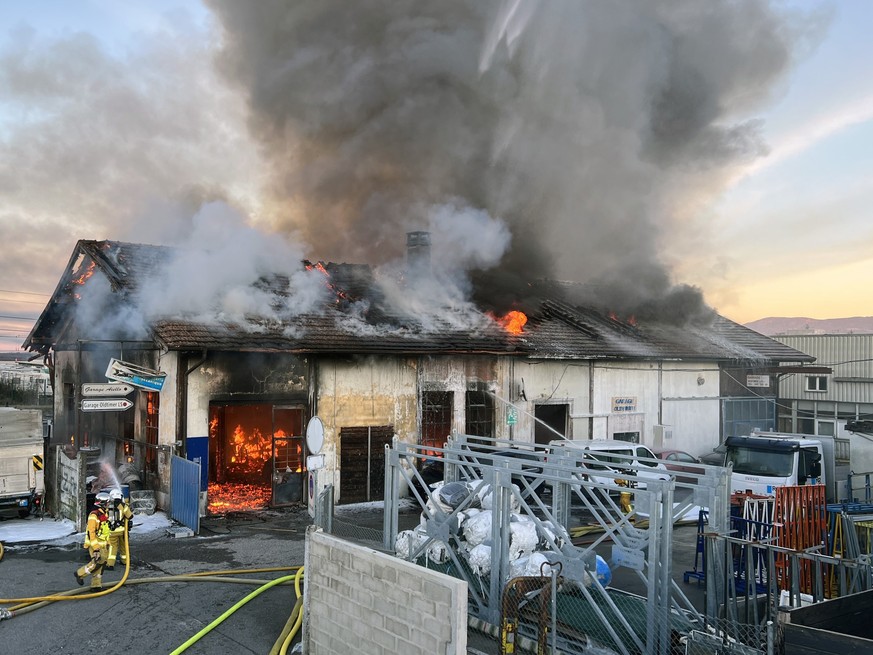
x=513 y=321
x=84 y=276
x=318 y=266
x=249 y=451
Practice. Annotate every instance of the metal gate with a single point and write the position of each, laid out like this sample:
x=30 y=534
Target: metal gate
x=185 y=492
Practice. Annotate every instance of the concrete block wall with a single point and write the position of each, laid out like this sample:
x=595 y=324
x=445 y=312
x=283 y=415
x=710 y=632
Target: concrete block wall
x=358 y=600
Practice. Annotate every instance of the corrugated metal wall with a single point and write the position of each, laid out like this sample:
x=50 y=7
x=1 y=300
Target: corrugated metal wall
x=850 y=355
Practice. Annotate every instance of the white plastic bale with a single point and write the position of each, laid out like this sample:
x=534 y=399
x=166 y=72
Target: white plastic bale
x=477 y=528
x=408 y=541
x=401 y=543
x=437 y=552
x=523 y=537
x=549 y=535
x=479 y=559
x=486 y=497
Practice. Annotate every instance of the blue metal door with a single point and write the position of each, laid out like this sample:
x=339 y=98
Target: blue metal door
x=185 y=492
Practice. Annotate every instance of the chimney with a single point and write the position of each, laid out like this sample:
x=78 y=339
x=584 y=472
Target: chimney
x=418 y=253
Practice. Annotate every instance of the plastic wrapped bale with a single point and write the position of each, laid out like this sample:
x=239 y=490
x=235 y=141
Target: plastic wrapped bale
x=477 y=529
x=408 y=541
x=453 y=494
x=549 y=535
x=479 y=559
x=486 y=497
x=437 y=552
x=533 y=565
x=523 y=538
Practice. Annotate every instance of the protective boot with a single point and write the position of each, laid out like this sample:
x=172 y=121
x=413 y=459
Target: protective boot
x=96 y=582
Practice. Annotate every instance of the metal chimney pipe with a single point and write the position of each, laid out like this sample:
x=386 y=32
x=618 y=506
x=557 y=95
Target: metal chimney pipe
x=418 y=253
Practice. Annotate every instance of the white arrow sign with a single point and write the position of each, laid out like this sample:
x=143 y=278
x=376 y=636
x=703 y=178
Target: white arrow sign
x=106 y=389
x=107 y=405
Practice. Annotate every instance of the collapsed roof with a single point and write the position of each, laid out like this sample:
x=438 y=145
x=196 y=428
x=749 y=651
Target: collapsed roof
x=353 y=316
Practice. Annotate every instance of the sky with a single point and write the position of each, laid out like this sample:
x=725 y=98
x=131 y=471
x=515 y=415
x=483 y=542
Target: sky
x=723 y=149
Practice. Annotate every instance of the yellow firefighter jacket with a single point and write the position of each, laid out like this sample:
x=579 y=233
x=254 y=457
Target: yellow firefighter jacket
x=97 y=533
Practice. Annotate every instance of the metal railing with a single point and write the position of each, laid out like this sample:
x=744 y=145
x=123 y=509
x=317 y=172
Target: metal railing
x=543 y=495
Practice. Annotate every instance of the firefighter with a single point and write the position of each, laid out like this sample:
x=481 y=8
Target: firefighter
x=97 y=542
x=120 y=516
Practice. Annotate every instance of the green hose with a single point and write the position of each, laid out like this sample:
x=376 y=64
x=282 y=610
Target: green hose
x=257 y=592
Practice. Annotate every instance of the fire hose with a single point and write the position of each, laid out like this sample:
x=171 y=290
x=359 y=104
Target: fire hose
x=286 y=578
x=289 y=631
x=81 y=596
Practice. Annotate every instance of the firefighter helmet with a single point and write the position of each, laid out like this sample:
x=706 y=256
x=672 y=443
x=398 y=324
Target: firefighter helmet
x=115 y=494
x=101 y=499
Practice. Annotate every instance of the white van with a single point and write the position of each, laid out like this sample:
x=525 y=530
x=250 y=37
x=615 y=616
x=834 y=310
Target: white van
x=618 y=457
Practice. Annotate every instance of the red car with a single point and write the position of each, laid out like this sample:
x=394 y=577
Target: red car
x=678 y=461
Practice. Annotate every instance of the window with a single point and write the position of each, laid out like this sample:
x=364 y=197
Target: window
x=631 y=437
x=826 y=428
x=816 y=383
x=480 y=414
x=436 y=418
x=645 y=453
x=741 y=415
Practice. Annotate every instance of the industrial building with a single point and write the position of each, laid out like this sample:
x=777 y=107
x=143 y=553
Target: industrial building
x=236 y=394
x=827 y=401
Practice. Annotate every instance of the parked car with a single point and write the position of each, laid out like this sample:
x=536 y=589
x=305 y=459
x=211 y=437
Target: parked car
x=679 y=461
x=431 y=471
x=615 y=457
x=714 y=458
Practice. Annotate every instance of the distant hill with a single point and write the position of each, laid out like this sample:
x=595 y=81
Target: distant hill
x=802 y=325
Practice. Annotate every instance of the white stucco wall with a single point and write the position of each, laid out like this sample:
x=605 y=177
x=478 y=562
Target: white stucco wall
x=661 y=393
x=368 y=391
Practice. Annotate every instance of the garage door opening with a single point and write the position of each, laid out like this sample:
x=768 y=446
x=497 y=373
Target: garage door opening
x=256 y=457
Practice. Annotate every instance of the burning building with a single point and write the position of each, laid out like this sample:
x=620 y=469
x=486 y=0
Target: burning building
x=236 y=395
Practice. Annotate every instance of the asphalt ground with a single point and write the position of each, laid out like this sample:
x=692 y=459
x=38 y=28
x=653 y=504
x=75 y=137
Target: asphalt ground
x=158 y=617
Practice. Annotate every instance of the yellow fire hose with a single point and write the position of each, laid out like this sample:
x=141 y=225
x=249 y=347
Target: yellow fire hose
x=292 y=625
x=195 y=638
x=83 y=596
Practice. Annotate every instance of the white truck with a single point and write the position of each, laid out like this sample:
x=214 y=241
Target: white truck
x=22 y=449
x=763 y=461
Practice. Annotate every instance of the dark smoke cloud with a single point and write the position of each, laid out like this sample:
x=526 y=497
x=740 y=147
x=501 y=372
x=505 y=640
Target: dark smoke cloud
x=586 y=126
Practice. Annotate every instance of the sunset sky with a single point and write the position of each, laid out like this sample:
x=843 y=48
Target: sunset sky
x=117 y=120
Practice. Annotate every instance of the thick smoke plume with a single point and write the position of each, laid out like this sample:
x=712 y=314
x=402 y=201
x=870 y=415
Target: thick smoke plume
x=590 y=128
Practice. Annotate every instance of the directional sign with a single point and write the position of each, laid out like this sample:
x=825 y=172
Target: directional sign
x=105 y=389
x=106 y=405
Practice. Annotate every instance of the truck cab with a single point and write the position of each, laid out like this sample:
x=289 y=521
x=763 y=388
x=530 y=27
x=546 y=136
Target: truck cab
x=760 y=464
x=763 y=461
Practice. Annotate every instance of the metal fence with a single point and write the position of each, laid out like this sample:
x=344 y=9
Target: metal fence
x=345 y=523
x=514 y=537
